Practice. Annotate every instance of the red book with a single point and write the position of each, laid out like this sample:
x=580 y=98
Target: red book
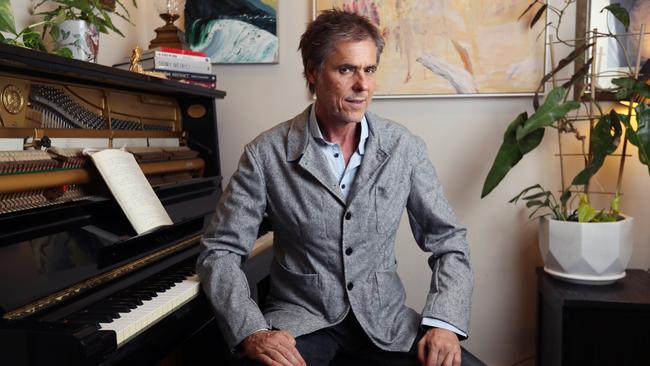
x=180 y=51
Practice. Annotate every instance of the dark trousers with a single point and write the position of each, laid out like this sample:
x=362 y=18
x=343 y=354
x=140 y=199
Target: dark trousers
x=347 y=344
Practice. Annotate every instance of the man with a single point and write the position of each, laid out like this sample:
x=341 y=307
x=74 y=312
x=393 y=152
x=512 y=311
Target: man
x=334 y=182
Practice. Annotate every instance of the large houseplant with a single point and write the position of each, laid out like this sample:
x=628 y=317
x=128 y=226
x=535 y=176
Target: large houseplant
x=74 y=25
x=572 y=249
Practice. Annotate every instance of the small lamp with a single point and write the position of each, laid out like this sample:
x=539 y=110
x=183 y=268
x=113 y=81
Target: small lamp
x=168 y=35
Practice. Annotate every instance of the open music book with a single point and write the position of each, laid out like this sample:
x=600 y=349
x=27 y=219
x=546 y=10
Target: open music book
x=131 y=189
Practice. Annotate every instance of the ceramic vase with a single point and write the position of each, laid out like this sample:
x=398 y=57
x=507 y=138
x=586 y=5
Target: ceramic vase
x=80 y=37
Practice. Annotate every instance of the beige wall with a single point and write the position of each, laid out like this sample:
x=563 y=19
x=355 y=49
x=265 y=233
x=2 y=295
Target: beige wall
x=462 y=135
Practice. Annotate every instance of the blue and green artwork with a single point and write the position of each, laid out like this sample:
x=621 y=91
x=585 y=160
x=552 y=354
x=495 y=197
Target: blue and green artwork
x=233 y=31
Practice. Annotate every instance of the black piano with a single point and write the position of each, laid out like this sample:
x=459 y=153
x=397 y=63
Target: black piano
x=78 y=286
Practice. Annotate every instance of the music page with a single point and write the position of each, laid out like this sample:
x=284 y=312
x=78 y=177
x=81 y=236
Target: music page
x=131 y=189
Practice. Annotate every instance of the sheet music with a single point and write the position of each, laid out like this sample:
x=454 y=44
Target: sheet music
x=131 y=189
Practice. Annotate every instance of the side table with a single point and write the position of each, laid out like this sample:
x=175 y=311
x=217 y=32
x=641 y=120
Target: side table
x=594 y=325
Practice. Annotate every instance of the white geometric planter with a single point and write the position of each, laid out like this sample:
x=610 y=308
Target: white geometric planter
x=594 y=253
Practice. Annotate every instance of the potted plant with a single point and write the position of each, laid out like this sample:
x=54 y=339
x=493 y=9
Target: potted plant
x=73 y=24
x=28 y=37
x=76 y=24
x=579 y=243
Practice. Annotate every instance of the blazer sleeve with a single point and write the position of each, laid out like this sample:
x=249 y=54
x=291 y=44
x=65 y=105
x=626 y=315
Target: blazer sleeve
x=227 y=242
x=436 y=230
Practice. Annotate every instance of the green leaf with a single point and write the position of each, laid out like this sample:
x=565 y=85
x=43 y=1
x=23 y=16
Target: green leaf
x=539 y=204
x=619 y=13
x=586 y=212
x=7 y=22
x=622 y=94
x=615 y=205
x=530 y=6
x=536 y=195
x=34 y=41
x=564 y=197
x=604 y=140
x=630 y=85
x=548 y=112
x=532 y=203
x=509 y=153
x=641 y=136
x=525 y=191
x=538 y=15
x=568 y=60
x=64 y=52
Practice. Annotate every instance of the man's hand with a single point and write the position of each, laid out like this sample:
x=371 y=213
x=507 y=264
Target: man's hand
x=439 y=347
x=273 y=348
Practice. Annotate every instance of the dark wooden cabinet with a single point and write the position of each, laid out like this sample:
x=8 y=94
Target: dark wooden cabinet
x=594 y=325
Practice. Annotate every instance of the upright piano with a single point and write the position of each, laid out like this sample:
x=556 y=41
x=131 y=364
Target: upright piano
x=78 y=286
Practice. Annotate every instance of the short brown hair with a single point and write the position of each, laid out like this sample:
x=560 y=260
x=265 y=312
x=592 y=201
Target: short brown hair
x=327 y=30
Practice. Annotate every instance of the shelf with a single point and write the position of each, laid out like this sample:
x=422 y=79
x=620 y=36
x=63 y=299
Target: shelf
x=21 y=60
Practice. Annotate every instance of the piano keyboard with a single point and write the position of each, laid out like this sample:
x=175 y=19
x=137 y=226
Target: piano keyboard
x=131 y=311
x=136 y=321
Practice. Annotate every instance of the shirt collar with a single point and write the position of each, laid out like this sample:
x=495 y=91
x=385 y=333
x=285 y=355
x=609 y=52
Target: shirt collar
x=318 y=135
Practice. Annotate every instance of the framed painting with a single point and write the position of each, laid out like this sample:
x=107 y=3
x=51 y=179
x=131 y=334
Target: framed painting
x=617 y=58
x=453 y=47
x=234 y=31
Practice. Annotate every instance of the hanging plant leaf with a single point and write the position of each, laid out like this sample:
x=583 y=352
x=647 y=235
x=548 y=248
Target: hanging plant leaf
x=641 y=137
x=530 y=6
x=548 y=113
x=507 y=156
x=568 y=60
x=578 y=75
x=604 y=140
x=538 y=15
x=630 y=85
x=7 y=22
x=619 y=13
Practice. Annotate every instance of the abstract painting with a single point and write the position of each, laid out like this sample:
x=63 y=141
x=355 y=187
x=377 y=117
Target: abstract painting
x=615 y=57
x=453 y=47
x=233 y=31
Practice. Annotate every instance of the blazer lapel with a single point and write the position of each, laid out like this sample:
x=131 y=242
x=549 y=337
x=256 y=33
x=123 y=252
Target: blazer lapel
x=302 y=149
x=373 y=158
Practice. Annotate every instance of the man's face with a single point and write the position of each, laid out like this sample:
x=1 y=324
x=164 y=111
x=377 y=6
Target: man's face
x=346 y=83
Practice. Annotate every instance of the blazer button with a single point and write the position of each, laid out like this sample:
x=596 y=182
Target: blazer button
x=348 y=251
x=350 y=285
x=348 y=215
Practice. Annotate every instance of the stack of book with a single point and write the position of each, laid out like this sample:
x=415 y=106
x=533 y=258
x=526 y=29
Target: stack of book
x=185 y=66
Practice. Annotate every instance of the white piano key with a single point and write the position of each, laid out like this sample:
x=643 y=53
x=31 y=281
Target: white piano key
x=130 y=324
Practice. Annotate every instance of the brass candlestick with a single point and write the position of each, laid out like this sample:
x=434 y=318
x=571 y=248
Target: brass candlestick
x=168 y=35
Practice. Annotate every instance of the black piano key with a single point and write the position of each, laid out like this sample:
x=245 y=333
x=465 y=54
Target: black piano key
x=141 y=294
x=163 y=284
x=124 y=298
x=90 y=318
x=100 y=313
x=126 y=304
x=120 y=308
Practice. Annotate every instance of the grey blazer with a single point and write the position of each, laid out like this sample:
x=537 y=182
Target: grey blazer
x=333 y=256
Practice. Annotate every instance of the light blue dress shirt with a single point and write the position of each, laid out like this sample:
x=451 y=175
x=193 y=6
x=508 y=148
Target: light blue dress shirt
x=345 y=177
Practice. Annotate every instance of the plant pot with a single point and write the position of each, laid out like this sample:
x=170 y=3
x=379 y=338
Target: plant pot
x=594 y=253
x=81 y=37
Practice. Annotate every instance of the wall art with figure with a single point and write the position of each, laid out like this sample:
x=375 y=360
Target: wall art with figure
x=453 y=47
x=233 y=31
